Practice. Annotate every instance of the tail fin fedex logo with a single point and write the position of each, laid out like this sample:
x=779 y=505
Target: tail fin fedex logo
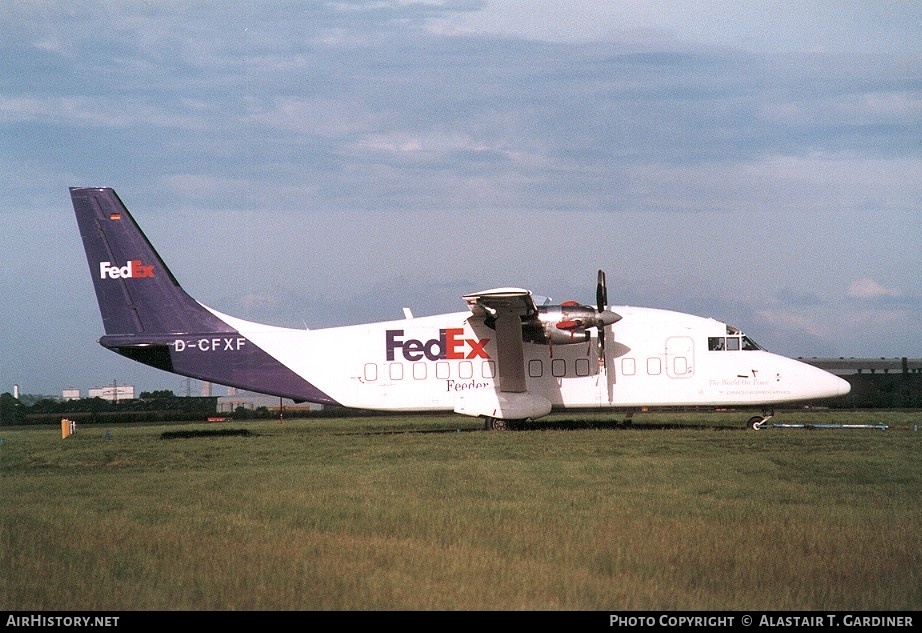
x=132 y=270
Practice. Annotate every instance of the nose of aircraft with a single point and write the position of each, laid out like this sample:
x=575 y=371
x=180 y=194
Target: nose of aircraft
x=829 y=385
x=842 y=386
x=813 y=382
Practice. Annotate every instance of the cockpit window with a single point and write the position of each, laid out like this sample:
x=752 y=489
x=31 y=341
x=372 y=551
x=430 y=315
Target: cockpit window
x=732 y=343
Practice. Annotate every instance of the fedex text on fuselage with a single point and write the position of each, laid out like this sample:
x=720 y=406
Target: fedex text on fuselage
x=448 y=346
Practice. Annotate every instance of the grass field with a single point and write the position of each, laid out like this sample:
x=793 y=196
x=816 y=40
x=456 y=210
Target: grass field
x=677 y=512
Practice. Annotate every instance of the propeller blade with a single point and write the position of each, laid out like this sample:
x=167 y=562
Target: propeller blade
x=601 y=292
x=604 y=317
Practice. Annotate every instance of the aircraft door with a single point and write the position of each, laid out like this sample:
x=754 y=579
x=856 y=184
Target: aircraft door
x=680 y=357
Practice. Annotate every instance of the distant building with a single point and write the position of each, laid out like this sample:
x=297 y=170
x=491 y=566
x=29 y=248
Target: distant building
x=250 y=400
x=848 y=366
x=113 y=392
x=71 y=393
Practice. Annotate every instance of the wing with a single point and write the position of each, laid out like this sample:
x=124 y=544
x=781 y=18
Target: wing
x=488 y=303
x=504 y=309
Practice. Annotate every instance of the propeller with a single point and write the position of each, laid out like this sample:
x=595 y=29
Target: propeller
x=604 y=316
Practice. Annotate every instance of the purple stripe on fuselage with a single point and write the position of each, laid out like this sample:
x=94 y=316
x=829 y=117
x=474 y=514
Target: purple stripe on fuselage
x=225 y=358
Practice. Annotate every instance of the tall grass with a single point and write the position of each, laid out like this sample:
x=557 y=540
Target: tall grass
x=676 y=512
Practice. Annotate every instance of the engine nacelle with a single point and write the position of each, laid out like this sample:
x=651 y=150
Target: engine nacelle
x=564 y=324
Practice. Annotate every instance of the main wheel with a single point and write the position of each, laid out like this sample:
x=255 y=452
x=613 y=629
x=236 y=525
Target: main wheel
x=497 y=424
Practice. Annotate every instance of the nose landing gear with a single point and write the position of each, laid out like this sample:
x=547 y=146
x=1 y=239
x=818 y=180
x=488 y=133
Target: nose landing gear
x=757 y=422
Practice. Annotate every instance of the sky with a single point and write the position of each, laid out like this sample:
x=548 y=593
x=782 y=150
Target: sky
x=329 y=163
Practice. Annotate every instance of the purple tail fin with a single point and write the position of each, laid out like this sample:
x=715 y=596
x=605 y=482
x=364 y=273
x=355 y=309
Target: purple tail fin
x=137 y=293
x=149 y=318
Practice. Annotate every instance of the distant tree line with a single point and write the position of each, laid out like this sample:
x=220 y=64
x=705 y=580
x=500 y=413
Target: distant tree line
x=12 y=411
x=155 y=406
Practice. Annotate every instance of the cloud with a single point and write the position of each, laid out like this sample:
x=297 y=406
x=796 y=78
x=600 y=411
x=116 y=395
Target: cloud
x=793 y=323
x=103 y=112
x=867 y=288
x=261 y=301
x=325 y=117
x=198 y=187
x=793 y=297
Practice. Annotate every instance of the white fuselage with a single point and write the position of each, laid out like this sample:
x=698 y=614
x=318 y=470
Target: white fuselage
x=653 y=358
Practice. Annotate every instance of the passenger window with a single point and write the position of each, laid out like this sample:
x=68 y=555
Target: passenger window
x=396 y=371
x=465 y=369
x=654 y=366
x=419 y=371
x=535 y=369
x=582 y=367
x=558 y=367
x=680 y=365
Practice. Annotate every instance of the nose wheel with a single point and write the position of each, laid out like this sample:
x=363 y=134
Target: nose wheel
x=758 y=422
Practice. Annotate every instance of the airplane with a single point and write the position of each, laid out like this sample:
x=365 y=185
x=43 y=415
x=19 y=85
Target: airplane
x=505 y=358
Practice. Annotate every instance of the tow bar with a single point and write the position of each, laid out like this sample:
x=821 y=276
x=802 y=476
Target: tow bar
x=777 y=425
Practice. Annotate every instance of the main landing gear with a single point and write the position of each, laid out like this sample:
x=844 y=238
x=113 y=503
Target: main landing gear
x=499 y=424
x=757 y=422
